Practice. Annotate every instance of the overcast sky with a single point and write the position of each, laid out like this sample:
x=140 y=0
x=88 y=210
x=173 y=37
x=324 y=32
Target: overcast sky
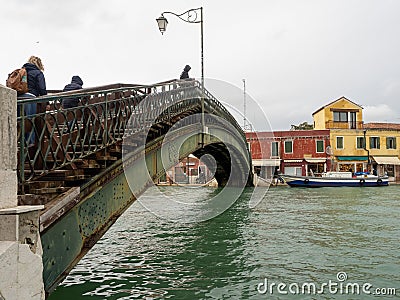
x=296 y=55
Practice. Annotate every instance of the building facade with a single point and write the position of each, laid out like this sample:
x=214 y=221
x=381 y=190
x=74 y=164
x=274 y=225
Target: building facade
x=340 y=141
x=190 y=170
x=356 y=146
x=295 y=152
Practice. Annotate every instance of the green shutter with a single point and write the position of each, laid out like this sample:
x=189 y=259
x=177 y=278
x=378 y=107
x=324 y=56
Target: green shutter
x=339 y=142
x=360 y=143
x=391 y=143
x=320 y=146
x=274 y=148
x=288 y=146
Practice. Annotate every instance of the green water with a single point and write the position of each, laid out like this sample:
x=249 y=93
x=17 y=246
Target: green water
x=292 y=236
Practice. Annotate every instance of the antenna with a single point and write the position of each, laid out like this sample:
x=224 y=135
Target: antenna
x=244 y=104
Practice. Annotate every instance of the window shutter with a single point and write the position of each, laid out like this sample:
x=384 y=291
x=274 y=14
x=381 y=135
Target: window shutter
x=378 y=146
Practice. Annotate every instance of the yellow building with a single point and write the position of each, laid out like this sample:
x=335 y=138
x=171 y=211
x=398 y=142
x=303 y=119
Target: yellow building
x=382 y=144
x=339 y=114
x=357 y=146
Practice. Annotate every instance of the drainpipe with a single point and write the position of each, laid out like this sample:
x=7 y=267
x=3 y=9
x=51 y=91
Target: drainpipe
x=365 y=148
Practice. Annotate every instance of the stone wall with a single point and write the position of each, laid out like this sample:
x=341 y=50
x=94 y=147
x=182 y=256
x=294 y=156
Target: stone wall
x=8 y=147
x=21 y=272
x=21 y=265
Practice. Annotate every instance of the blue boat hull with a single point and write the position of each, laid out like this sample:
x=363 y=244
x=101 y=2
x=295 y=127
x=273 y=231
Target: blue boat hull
x=314 y=182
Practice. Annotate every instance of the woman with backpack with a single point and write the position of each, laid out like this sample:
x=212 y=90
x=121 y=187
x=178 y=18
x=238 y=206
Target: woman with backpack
x=36 y=87
x=36 y=80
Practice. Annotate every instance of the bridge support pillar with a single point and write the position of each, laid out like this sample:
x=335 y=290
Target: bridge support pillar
x=21 y=264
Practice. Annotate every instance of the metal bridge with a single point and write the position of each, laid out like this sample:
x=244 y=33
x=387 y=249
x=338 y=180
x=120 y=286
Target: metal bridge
x=88 y=164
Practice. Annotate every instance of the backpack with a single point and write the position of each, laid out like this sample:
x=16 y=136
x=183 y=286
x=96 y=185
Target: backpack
x=18 y=80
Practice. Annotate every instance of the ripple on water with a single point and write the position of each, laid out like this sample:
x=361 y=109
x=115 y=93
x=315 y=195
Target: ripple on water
x=293 y=235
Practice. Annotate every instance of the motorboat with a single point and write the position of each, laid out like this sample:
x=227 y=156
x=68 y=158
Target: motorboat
x=336 y=179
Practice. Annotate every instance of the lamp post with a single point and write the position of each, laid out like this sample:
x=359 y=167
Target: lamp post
x=194 y=15
x=244 y=104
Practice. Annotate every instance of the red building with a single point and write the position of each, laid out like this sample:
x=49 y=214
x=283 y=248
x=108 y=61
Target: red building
x=190 y=170
x=295 y=152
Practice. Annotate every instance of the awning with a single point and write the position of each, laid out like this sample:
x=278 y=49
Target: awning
x=350 y=158
x=293 y=160
x=267 y=162
x=387 y=160
x=314 y=160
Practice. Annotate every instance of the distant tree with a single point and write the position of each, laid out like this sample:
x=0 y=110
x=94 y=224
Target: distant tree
x=302 y=126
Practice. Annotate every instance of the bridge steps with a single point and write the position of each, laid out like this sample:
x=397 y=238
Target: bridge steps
x=59 y=181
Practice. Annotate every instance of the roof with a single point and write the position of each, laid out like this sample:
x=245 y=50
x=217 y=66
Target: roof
x=312 y=133
x=329 y=104
x=387 y=126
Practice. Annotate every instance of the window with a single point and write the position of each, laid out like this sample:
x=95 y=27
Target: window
x=274 y=149
x=340 y=116
x=353 y=117
x=320 y=146
x=360 y=142
x=339 y=142
x=288 y=146
x=390 y=143
x=374 y=142
x=293 y=171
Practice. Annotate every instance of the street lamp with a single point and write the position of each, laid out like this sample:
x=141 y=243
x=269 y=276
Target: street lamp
x=194 y=15
x=162 y=24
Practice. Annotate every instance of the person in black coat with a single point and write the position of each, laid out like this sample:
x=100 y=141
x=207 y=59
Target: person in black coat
x=36 y=81
x=36 y=87
x=76 y=84
x=185 y=73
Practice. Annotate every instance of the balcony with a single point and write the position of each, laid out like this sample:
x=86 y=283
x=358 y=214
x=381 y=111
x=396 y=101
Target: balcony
x=344 y=125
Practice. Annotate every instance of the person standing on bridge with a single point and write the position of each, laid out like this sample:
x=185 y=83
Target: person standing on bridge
x=185 y=73
x=76 y=84
x=36 y=87
x=36 y=81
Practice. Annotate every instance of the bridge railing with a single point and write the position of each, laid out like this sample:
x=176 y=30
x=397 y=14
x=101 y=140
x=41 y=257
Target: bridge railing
x=51 y=137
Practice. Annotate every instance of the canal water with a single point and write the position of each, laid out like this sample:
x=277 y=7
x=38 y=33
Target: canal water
x=294 y=237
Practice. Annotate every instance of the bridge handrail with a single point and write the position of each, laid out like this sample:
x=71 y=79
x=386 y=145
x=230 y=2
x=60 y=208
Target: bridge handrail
x=120 y=87
x=62 y=137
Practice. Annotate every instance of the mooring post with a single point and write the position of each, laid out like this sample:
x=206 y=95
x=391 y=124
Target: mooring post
x=21 y=264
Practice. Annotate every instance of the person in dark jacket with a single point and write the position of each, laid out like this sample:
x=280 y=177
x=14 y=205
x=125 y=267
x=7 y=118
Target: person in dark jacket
x=185 y=73
x=76 y=84
x=36 y=81
x=36 y=87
